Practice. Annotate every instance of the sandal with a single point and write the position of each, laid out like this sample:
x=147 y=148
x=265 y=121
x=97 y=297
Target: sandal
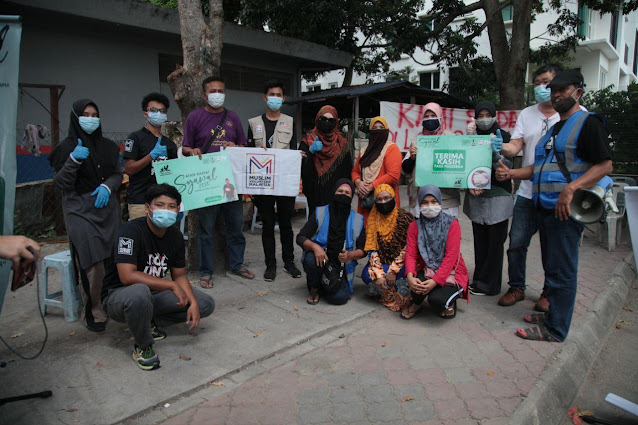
x=411 y=314
x=535 y=318
x=536 y=333
x=450 y=312
x=206 y=282
x=245 y=273
x=313 y=298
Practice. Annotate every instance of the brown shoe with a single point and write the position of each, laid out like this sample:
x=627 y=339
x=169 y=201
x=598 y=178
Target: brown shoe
x=512 y=296
x=543 y=303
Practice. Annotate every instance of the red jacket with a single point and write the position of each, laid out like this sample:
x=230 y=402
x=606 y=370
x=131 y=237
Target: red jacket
x=415 y=263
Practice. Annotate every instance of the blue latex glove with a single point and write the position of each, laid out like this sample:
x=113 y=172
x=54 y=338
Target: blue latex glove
x=159 y=149
x=80 y=152
x=102 y=196
x=316 y=145
x=497 y=142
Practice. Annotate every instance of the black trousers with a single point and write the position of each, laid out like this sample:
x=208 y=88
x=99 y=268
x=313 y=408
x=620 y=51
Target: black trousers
x=439 y=298
x=489 y=247
x=284 y=213
x=313 y=280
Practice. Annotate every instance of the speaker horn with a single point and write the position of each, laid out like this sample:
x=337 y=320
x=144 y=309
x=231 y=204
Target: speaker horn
x=588 y=205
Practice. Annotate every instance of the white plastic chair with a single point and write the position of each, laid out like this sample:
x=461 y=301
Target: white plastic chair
x=614 y=221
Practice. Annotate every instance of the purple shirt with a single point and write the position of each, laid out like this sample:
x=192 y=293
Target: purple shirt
x=200 y=124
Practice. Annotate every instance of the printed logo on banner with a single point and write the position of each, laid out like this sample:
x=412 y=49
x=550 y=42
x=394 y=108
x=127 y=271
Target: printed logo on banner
x=260 y=171
x=165 y=171
x=449 y=160
x=125 y=246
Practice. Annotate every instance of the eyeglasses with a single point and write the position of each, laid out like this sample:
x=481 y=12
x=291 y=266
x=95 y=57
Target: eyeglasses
x=162 y=110
x=326 y=119
x=545 y=126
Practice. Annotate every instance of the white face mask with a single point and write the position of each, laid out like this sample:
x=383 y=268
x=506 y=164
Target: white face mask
x=485 y=123
x=216 y=100
x=430 y=211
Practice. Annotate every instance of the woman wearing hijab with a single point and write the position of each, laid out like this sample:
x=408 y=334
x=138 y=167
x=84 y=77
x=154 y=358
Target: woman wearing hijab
x=490 y=209
x=327 y=160
x=334 y=233
x=386 y=237
x=433 y=125
x=86 y=168
x=378 y=163
x=434 y=265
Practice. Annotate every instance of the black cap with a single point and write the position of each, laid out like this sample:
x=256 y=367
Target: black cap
x=567 y=78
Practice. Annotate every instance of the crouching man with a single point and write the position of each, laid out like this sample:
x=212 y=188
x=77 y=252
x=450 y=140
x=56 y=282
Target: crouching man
x=136 y=290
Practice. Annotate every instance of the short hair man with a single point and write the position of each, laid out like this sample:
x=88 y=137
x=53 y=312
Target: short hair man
x=532 y=124
x=275 y=130
x=136 y=289
x=573 y=155
x=207 y=130
x=142 y=148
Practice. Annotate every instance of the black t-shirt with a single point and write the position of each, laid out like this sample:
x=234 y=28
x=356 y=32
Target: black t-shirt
x=270 y=131
x=139 y=144
x=136 y=244
x=593 y=141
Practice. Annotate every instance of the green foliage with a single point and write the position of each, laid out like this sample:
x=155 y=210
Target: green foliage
x=400 y=74
x=476 y=83
x=620 y=111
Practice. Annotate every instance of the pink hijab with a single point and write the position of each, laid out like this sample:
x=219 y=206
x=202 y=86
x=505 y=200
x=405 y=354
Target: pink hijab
x=436 y=108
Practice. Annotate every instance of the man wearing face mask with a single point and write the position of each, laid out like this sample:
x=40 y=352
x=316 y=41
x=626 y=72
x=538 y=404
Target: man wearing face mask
x=208 y=129
x=275 y=130
x=136 y=289
x=573 y=155
x=142 y=148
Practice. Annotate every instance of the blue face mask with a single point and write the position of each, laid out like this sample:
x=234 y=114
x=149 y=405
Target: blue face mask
x=89 y=124
x=431 y=124
x=542 y=94
x=274 y=103
x=163 y=218
x=156 y=118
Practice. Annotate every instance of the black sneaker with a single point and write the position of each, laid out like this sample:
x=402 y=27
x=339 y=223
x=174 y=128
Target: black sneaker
x=270 y=273
x=292 y=270
x=157 y=333
x=475 y=290
x=145 y=358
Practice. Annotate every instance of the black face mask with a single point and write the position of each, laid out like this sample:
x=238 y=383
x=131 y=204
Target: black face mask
x=563 y=105
x=378 y=136
x=342 y=201
x=387 y=207
x=326 y=125
x=431 y=124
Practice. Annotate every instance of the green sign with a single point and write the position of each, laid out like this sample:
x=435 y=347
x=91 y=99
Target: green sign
x=201 y=182
x=454 y=161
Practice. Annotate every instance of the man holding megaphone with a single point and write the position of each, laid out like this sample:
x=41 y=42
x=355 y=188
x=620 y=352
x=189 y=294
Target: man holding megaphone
x=572 y=156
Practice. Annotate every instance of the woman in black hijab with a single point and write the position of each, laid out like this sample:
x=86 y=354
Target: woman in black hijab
x=334 y=233
x=86 y=168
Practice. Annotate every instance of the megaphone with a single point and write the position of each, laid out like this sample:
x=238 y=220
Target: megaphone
x=590 y=205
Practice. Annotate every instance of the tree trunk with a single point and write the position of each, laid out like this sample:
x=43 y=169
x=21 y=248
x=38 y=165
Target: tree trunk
x=202 y=50
x=347 y=79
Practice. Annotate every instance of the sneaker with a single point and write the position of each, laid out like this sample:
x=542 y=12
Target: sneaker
x=146 y=358
x=543 y=303
x=270 y=273
x=157 y=333
x=292 y=270
x=512 y=296
x=475 y=290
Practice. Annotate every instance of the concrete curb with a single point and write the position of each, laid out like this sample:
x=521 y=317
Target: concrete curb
x=566 y=371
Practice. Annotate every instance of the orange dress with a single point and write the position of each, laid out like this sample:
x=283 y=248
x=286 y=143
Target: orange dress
x=389 y=174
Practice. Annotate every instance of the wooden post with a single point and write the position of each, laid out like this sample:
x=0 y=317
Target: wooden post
x=55 y=116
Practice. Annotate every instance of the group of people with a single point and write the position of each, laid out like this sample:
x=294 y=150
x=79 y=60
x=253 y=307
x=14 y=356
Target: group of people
x=412 y=252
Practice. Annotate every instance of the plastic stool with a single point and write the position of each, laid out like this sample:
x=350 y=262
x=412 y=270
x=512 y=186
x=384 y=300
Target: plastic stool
x=71 y=301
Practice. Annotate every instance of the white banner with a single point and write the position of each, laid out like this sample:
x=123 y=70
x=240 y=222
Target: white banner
x=405 y=119
x=10 y=33
x=258 y=171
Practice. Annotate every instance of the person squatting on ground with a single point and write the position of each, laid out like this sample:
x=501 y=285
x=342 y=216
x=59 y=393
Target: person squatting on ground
x=86 y=168
x=275 y=130
x=434 y=265
x=386 y=237
x=489 y=209
x=142 y=148
x=136 y=290
x=333 y=233
x=207 y=130
x=573 y=155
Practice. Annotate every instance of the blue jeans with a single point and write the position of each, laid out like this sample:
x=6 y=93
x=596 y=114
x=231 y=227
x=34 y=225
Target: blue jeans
x=559 y=249
x=524 y=226
x=233 y=213
x=313 y=277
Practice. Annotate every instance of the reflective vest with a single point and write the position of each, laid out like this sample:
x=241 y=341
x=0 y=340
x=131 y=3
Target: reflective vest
x=548 y=180
x=353 y=230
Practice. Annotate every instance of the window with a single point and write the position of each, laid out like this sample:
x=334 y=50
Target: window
x=584 y=28
x=430 y=25
x=613 y=30
x=315 y=87
x=626 y=54
x=636 y=54
x=430 y=80
x=333 y=85
x=508 y=13
x=603 y=78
